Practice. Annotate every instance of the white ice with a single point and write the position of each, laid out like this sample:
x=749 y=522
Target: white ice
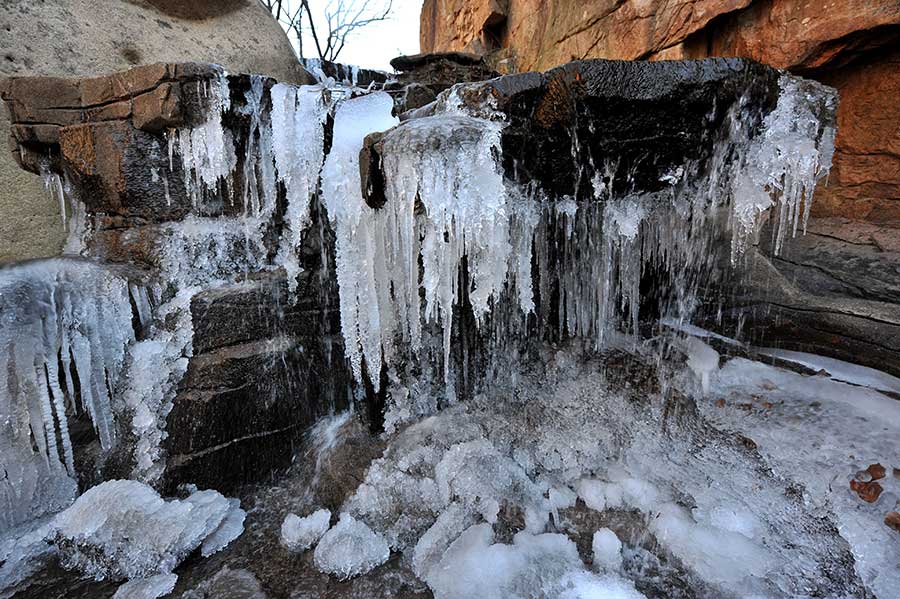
x=123 y=529
x=350 y=548
x=299 y=534
x=147 y=588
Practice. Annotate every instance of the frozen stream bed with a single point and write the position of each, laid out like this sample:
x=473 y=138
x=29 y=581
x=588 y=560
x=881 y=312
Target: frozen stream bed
x=586 y=477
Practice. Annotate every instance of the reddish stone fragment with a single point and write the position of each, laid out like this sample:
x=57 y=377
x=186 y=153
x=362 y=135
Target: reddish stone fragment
x=893 y=520
x=876 y=471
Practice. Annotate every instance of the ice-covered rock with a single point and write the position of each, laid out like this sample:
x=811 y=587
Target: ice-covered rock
x=228 y=583
x=607 y=550
x=299 y=534
x=147 y=588
x=124 y=529
x=350 y=548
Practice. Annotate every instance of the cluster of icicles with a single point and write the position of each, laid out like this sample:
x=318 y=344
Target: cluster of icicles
x=398 y=268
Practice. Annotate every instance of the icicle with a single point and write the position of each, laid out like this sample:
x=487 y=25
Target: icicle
x=47 y=310
x=357 y=259
x=207 y=149
x=298 y=134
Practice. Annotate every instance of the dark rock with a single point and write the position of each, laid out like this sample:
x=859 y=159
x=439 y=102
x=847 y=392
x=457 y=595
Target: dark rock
x=646 y=118
x=346 y=73
x=371 y=175
x=416 y=95
x=438 y=72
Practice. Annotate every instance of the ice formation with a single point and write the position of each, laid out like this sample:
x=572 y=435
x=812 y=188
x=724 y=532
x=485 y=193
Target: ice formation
x=66 y=325
x=543 y=565
x=123 y=529
x=606 y=549
x=350 y=548
x=299 y=534
x=147 y=588
x=298 y=134
x=448 y=205
x=473 y=464
x=207 y=149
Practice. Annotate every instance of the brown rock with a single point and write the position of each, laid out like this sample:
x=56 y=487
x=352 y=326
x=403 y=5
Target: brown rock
x=159 y=108
x=868 y=492
x=127 y=84
x=893 y=520
x=876 y=471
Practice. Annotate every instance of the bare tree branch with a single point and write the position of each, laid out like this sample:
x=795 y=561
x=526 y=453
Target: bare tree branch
x=339 y=19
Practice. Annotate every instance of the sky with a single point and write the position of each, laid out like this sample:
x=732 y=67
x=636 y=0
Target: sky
x=376 y=44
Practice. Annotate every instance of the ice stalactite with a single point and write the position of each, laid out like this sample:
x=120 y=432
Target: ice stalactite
x=65 y=329
x=298 y=137
x=782 y=165
x=207 y=149
x=360 y=247
x=448 y=163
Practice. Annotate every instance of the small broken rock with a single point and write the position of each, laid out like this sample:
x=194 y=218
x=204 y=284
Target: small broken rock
x=893 y=520
x=868 y=492
x=876 y=471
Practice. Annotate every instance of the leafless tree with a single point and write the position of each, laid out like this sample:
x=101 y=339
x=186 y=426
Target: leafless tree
x=331 y=26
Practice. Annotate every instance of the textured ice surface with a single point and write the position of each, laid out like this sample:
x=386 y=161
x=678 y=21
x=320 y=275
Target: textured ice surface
x=299 y=534
x=23 y=552
x=561 y=421
x=124 y=529
x=350 y=548
x=840 y=370
x=64 y=324
x=147 y=588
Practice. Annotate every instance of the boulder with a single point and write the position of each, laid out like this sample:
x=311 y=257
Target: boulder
x=66 y=38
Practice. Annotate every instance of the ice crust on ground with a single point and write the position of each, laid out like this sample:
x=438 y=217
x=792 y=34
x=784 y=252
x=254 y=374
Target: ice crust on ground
x=299 y=534
x=350 y=548
x=826 y=430
x=543 y=565
x=123 y=529
x=472 y=463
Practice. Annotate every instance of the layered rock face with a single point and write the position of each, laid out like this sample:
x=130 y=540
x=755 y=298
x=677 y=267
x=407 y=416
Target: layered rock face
x=84 y=38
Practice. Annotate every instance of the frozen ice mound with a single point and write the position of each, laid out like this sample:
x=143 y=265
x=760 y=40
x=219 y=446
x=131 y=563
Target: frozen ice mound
x=533 y=566
x=299 y=534
x=124 y=529
x=350 y=548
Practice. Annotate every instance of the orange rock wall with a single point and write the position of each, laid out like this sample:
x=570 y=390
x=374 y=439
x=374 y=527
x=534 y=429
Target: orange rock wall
x=853 y=45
